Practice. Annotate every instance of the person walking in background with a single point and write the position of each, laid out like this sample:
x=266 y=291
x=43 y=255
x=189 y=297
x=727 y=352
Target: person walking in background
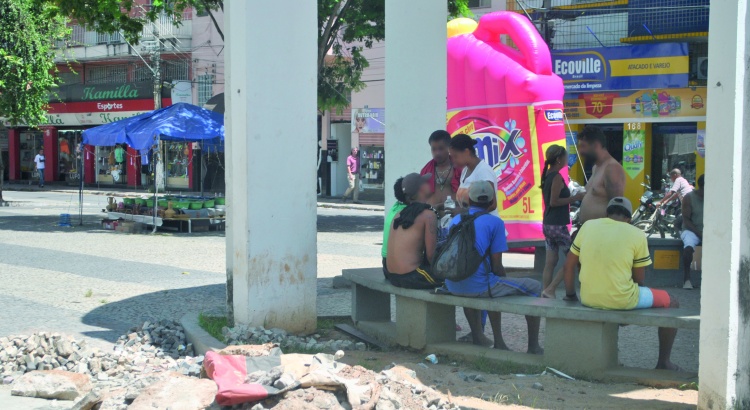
x=39 y=161
x=692 y=224
x=557 y=200
x=352 y=169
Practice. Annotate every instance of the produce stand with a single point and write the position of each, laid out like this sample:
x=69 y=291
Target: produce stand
x=180 y=213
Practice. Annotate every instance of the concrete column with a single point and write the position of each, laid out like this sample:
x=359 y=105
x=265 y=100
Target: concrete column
x=725 y=294
x=271 y=86
x=415 y=86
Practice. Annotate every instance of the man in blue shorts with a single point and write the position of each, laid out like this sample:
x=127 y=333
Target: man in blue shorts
x=489 y=281
x=613 y=255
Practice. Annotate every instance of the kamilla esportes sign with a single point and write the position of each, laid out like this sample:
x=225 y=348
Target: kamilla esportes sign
x=664 y=65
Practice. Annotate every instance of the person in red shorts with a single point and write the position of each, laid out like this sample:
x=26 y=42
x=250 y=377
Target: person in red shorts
x=613 y=255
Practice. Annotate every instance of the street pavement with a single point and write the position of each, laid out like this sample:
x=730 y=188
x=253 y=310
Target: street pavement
x=97 y=284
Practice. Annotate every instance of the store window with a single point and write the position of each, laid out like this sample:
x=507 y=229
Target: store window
x=111 y=164
x=373 y=167
x=205 y=88
x=177 y=164
x=674 y=147
x=107 y=74
x=475 y=4
x=31 y=143
x=67 y=154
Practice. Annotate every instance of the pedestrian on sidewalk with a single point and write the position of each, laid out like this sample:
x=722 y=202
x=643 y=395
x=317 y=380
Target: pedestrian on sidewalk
x=39 y=161
x=352 y=168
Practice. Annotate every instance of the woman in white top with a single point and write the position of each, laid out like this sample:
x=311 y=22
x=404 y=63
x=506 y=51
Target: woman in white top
x=463 y=154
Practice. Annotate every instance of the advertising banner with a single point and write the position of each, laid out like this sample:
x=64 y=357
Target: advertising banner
x=368 y=120
x=663 y=65
x=512 y=140
x=634 y=148
x=700 y=144
x=648 y=105
x=571 y=138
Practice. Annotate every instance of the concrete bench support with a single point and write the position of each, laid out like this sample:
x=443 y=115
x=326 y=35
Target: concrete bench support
x=419 y=322
x=579 y=346
x=370 y=305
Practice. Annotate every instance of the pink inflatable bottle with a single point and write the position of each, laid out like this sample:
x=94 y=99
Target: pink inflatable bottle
x=510 y=101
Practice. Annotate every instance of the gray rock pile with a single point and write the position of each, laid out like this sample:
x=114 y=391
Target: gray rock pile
x=150 y=348
x=242 y=335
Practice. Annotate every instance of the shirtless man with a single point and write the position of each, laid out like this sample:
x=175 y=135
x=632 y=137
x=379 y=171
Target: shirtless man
x=412 y=238
x=446 y=177
x=608 y=178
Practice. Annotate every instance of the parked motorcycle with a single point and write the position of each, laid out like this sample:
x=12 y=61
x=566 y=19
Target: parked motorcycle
x=652 y=219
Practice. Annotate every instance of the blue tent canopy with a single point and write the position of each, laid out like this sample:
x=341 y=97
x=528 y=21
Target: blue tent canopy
x=178 y=122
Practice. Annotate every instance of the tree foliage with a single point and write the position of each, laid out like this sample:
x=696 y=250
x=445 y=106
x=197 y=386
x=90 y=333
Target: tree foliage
x=345 y=28
x=28 y=31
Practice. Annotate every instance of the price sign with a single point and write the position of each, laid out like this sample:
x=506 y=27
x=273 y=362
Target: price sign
x=599 y=105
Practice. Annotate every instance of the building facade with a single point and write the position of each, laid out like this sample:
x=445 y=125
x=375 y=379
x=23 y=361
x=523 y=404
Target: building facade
x=105 y=79
x=637 y=69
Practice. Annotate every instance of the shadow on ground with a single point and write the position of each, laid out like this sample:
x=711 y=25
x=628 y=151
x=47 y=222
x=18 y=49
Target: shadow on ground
x=350 y=223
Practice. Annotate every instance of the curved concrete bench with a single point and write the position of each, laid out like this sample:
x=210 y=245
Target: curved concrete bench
x=578 y=339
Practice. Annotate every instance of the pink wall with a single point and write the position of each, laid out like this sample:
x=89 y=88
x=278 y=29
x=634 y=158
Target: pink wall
x=208 y=54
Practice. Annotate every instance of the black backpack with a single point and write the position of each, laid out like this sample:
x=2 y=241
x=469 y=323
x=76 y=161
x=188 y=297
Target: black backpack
x=458 y=258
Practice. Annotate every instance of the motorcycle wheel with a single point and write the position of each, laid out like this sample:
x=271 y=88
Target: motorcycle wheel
x=646 y=226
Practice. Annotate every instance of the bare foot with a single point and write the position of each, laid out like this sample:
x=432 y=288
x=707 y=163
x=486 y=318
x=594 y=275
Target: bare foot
x=535 y=350
x=669 y=366
x=549 y=295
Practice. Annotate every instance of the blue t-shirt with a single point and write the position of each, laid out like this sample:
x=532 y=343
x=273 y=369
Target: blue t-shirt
x=490 y=234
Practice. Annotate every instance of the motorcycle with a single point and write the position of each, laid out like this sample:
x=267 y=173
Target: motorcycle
x=646 y=206
x=651 y=219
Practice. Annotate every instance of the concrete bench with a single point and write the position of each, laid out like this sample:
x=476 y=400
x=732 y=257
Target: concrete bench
x=666 y=269
x=578 y=339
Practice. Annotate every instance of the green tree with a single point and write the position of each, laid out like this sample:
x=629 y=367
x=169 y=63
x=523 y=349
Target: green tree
x=28 y=32
x=346 y=27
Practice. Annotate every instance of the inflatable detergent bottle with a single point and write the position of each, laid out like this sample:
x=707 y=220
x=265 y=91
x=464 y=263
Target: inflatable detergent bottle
x=510 y=101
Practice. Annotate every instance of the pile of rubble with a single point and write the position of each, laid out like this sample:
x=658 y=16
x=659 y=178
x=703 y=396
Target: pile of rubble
x=153 y=367
x=149 y=348
x=242 y=335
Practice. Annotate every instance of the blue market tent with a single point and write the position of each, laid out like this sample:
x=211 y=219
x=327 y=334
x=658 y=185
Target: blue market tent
x=178 y=122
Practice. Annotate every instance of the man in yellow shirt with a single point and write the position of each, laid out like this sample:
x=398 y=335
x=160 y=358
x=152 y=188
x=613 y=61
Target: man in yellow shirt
x=613 y=255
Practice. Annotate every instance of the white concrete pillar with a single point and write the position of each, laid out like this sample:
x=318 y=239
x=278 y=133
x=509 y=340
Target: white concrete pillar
x=725 y=293
x=415 y=86
x=271 y=87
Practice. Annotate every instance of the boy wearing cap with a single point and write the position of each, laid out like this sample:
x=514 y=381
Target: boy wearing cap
x=489 y=280
x=613 y=255
x=411 y=237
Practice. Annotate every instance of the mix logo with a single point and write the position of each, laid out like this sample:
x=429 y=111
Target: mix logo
x=500 y=147
x=555 y=115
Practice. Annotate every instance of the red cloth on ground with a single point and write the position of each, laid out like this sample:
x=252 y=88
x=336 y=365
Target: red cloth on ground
x=431 y=168
x=229 y=373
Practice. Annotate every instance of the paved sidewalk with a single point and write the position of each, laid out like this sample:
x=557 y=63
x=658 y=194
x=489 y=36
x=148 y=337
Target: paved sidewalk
x=323 y=202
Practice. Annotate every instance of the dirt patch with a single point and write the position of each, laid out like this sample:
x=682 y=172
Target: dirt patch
x=499 y=391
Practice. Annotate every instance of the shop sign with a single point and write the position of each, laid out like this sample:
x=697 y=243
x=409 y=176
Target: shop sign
x=368 y=120
x=90 y=118
x=663 y=65
x=103 y=92
x=182 y=91
x=646 y=105
x=634 y=148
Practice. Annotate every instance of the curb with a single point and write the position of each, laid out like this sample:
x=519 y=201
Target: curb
x=201 y=340
x=374 y=208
